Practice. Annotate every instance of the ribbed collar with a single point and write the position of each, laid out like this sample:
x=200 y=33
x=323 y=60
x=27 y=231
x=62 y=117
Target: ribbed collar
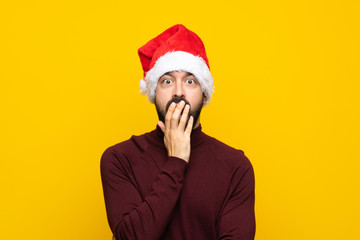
x=197 y=137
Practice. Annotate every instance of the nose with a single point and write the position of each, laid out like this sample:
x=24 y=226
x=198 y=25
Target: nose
x=179 y=89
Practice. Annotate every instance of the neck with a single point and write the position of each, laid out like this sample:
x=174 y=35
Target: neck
x=196 y=124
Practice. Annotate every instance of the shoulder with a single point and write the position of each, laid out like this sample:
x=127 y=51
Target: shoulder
x=229 y=156
x=234 y=161
x=120 y=153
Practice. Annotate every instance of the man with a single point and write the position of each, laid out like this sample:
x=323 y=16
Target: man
x=176 y=182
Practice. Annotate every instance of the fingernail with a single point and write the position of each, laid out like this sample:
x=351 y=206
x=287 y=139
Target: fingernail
x=172 y=104
x=182 y=102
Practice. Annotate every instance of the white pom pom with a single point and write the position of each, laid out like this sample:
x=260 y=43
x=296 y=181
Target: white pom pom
x=142 y=86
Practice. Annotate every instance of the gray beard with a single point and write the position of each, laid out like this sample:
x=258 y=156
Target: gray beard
x=195 y=112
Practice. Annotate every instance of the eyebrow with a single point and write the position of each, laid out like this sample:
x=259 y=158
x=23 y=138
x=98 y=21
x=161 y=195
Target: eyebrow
x=171 y=74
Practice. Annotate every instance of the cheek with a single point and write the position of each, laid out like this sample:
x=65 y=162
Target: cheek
x=195 y=97
x=162 y=97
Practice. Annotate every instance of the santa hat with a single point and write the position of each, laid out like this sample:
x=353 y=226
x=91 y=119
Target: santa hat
x=177 y=48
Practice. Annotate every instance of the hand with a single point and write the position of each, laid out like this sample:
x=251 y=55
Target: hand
x=176 y=136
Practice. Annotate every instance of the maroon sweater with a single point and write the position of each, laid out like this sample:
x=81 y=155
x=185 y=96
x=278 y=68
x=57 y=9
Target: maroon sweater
x=149 y=195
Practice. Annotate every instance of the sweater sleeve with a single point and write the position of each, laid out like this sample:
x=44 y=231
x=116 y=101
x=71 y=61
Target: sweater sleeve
x=130 y=216
x=237 y=220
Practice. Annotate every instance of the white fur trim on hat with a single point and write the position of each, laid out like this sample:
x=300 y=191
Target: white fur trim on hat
x=178 y=60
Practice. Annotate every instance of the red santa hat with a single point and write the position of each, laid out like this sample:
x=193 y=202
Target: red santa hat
x=177 y=48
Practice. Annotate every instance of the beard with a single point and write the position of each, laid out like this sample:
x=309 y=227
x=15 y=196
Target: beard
x=194 y=111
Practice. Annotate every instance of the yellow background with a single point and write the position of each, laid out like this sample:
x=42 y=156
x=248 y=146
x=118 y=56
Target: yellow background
x=286 y=92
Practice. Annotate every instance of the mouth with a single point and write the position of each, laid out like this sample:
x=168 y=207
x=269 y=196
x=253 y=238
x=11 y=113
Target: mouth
x=176 y=100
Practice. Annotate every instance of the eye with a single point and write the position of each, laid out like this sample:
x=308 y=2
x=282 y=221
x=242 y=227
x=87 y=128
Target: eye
x=190 y=81
x=166 y=81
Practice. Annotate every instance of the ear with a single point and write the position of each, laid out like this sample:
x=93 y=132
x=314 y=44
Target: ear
x=204 y=98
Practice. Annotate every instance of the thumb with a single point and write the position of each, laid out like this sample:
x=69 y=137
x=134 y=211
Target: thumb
x=162 y=126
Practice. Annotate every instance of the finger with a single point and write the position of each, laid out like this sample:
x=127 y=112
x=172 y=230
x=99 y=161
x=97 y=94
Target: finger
x=184 y=117
x=175 y=116
x=161 y=125
x=169 y=114
x=189 y=125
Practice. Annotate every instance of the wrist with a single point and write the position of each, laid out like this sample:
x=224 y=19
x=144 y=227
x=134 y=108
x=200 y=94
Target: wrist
x=185 y=158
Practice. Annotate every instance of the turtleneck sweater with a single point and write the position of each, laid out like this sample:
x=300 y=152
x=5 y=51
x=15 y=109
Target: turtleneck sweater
x=150 y=195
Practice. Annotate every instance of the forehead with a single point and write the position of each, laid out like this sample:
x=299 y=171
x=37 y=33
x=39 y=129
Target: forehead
x=172 y=73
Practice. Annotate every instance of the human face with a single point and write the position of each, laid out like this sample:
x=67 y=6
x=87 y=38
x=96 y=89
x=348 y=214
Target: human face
x=175 y=86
